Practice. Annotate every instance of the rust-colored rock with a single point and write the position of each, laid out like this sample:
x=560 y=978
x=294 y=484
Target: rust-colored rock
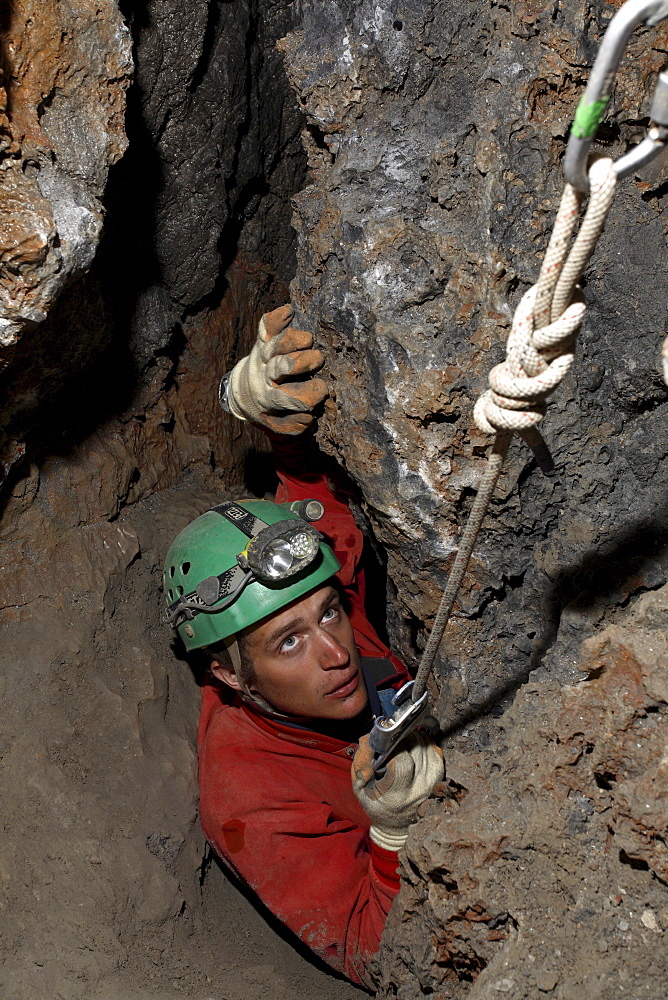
x=548 y=862
x=65 y=72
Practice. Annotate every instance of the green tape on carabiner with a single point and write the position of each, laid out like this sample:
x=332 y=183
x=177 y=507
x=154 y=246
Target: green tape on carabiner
x=588 y=117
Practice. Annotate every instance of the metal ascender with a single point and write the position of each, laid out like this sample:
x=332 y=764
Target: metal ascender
x=389 y=730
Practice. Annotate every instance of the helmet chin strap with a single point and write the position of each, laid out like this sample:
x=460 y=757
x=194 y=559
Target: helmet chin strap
x=252 y=697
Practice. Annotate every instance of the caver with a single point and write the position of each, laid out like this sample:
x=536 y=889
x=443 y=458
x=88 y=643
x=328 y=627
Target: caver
x=291 y=796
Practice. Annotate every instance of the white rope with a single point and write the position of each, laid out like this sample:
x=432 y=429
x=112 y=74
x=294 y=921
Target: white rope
x=539 y=353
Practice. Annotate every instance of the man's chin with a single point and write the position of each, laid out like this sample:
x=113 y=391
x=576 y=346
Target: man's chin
x=347 y=706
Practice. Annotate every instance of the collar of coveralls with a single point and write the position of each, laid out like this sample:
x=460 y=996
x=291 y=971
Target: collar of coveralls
x=331 y=736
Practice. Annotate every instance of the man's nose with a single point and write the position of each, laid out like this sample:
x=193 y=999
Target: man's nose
x=331 y=653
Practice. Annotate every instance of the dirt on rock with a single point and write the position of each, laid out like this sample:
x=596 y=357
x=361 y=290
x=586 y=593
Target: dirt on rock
x=109 y=891
x=544 y=868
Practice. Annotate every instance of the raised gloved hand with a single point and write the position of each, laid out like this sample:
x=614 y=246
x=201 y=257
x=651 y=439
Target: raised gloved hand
x=391 y=802
x=259 y=388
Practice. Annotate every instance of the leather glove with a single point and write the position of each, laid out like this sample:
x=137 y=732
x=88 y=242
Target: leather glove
x=391 y=802
x=259 y=387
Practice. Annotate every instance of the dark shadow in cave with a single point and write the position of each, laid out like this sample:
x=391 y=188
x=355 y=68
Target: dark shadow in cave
x=602 y=573
x=87 y=330
x=260 y=476
x=81 y=357
x=595 y=576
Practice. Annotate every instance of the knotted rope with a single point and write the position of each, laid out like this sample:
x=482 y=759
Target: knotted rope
x=539 y=353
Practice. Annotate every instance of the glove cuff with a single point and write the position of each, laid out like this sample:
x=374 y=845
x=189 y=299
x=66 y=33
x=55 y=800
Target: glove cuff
x=390 y=839
x=229 y=388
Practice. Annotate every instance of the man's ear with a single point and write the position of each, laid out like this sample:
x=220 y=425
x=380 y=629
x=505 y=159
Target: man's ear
x=225 y=674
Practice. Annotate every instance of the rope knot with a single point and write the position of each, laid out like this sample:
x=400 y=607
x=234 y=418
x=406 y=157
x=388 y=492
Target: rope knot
x=537 y=361
x=539 y=352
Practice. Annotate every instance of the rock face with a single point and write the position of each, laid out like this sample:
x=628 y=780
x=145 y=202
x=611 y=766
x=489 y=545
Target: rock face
x=434 y=138
x=546 y=871
x=207 y=180
x=65 y=72
x=113 y=440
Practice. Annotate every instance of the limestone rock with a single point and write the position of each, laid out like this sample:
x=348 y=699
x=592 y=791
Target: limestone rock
x=548 y=862
x=65 y=72
x=434 y=137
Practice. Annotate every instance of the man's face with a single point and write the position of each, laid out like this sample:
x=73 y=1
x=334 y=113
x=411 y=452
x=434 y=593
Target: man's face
x=305 y=659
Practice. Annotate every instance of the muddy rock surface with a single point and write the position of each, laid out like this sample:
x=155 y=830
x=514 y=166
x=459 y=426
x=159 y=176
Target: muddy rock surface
x=108 y=890
x=113 y=440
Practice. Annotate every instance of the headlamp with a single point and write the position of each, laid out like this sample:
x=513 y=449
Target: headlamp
x=274 y=553
x=281 y=550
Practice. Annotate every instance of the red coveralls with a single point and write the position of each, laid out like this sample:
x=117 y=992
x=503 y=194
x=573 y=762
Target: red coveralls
x=277 y=803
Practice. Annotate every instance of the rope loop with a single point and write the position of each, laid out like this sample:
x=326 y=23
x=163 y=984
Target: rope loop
x=539 y=352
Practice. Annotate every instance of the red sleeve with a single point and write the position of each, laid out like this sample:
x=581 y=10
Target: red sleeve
x=293 y=457
x=308 y=861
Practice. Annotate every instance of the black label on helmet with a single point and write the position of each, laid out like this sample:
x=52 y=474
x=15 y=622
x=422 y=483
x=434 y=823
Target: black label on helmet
x=241 y=518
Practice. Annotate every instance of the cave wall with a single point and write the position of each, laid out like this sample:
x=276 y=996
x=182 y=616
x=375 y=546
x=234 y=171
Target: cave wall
x=126 y=289
x=543 y=869
x=435 y=134
x=65 y=71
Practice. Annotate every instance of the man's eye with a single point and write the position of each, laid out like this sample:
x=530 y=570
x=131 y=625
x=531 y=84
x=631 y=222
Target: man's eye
x=330 y=614
x=289 y=643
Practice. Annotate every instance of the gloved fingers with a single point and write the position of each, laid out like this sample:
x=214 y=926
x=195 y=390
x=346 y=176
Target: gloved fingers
x=427 y=756
x=292 y=340
x=384 y=783
x=276 y=398
x=299 y=363
x=272 y=323
x=279 y=367
x=362 y=771
x=376 y=785
x=309 y=393
x=287 y=423
x=417 y=764
x=399 y=773
x=287 y=342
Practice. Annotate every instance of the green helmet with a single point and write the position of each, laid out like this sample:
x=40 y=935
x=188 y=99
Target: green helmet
x=240 y=562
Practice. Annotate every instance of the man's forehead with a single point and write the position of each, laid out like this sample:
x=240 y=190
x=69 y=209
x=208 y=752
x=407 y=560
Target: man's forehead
x=302 y=608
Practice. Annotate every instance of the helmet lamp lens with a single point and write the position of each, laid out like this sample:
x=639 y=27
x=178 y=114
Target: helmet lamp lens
x=277 y=559
x=303 y=546
x=282 y=550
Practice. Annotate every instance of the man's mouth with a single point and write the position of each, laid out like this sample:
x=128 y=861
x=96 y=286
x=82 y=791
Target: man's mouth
x=347 y=687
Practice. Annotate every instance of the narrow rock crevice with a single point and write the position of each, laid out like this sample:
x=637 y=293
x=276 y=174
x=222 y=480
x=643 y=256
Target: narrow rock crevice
x=170 y=171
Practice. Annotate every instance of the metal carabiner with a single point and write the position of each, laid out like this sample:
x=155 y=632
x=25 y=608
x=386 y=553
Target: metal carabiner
x=595 y=98
x=389 y=730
